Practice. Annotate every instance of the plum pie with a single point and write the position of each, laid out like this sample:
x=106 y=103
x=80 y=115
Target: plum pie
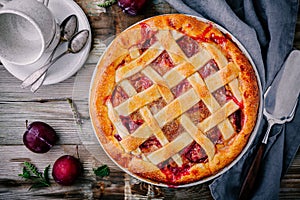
x=174 y=100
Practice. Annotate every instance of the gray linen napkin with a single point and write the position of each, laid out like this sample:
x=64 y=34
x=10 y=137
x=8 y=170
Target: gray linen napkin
x=266 y=29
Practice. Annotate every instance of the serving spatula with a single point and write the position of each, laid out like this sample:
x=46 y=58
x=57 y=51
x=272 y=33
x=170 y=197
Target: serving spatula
x=280 y=102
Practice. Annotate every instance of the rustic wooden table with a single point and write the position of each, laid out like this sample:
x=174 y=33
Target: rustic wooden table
x=52 y=104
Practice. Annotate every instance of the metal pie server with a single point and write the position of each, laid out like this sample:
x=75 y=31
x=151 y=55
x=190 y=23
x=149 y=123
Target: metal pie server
x=280 y=102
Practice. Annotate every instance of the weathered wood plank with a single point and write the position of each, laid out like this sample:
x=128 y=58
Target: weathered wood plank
x=88 y=184
x=50 y=104
x=112 y=186
x=57 y=113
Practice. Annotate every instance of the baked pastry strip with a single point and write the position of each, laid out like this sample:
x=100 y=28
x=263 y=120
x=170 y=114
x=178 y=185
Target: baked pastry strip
x=200 y=87
x=221 y=60
x=170 y=45
x=222 y=77
x=217 y=117
x=132 y=141
x=187 y=68
x=170 y=149
x=161 y=83
x=115 y=119
x=139 y=100
x=177 y=107
x=152 y=123
x=198 y=136
x=198 y=84
x=138 y=64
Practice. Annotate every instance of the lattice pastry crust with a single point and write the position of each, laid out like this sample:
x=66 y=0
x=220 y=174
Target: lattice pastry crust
x=173 y=100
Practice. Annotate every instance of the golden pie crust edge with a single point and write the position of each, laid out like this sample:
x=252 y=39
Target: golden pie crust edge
x=104 y=82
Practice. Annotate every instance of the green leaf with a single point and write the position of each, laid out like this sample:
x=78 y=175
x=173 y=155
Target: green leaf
x=102 y=171
x=26 y=173
x=107 y=3
x=32 y=169
x=46 y=174
x=39 y=179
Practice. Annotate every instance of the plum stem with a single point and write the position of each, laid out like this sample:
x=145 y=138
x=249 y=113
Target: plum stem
x=77 y=152
x=26 y=123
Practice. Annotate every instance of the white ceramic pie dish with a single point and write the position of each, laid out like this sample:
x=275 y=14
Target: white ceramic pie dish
x=250 y=140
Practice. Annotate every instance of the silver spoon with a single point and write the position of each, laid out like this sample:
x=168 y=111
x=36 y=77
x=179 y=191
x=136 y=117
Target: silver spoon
x=68 y=28
x=75 y=45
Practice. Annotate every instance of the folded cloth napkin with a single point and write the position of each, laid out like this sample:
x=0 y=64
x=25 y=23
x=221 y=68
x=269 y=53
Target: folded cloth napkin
x=266 y=29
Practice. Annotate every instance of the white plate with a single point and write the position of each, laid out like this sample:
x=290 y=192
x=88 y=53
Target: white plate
x=67 y=65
